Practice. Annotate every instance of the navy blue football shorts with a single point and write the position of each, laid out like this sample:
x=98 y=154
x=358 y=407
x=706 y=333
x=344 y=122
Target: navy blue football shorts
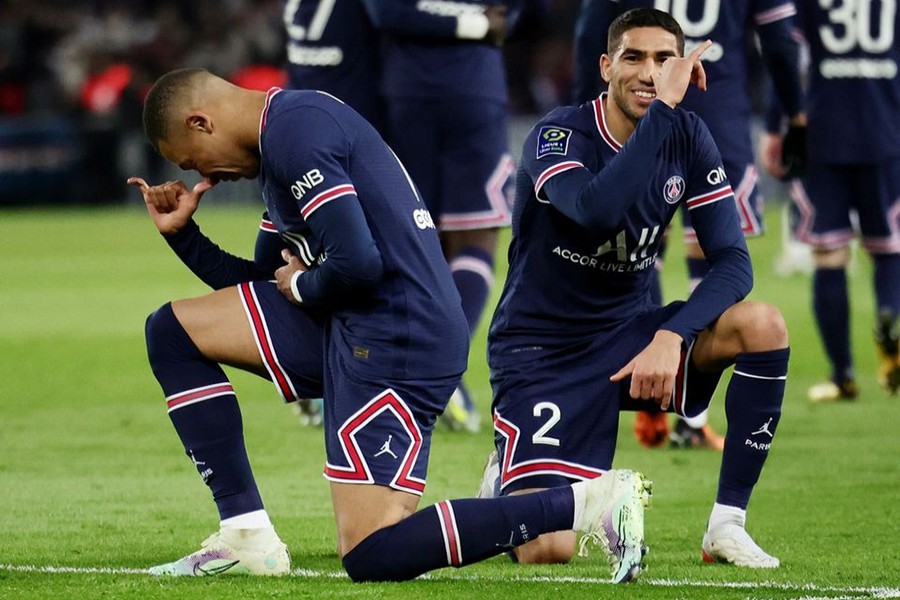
x=456 y=152
x=377 y=431
x=747 y=200
x=828 y=194
x=556 y=413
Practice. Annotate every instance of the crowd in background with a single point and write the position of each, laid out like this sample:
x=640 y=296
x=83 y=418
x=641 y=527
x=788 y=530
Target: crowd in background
x=99 y=57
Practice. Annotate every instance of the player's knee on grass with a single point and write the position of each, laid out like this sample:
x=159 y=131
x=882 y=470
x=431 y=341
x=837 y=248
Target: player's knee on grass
x=551 y=548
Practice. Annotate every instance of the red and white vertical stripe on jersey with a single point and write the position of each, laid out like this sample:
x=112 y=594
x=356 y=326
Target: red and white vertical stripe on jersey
x=264 y=343
x=679 y=391
x=776 y=13
x=450 y=532
x=207 y=392
x=263 y=117
x=498 y=215
x=599 y=107
x=511 y=471
x=358 y=470
x=325 y=197
x=552 y=171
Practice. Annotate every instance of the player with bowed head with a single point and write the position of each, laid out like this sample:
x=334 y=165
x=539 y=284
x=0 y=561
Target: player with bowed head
x=576 y=337
x=349 y=317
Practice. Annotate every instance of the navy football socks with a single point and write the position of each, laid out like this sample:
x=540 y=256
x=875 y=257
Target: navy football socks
x=457 y=533
x=887 y=283
x=205 y=412
x=832 y=309
x=753 y=407
x=473 y=274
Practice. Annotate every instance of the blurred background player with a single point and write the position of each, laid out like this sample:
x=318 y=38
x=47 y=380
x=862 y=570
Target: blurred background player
x=854 y=168
x=725 y=108
x=447 y=107
x=333 y=47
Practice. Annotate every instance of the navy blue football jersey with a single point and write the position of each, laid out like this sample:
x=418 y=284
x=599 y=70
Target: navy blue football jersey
x=424 y=58
x=854 y=88
x=725 y=106
x=332 y=46
x=343 y=202
x=588 y=220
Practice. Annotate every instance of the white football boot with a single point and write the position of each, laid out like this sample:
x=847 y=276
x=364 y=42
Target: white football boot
x=730 y=543
x=233 y=552
x=490 y=480
x=613 y=519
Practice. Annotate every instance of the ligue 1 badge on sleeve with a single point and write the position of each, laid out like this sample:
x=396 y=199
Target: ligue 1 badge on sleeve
x=553 y=140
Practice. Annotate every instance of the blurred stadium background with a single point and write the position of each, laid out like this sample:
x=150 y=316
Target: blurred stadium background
x=73 y=76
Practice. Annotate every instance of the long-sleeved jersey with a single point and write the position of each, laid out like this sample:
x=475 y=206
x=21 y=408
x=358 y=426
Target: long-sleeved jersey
x=589 y=216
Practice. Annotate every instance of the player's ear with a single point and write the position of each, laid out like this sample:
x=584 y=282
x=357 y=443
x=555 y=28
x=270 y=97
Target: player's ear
x=605 y=67
x=200 y=122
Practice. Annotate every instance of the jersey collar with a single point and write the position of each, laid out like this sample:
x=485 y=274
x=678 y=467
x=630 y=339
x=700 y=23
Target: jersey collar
x=265 y=113
x=599 y=106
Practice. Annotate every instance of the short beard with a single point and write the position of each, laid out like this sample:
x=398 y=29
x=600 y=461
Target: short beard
x=623 y=105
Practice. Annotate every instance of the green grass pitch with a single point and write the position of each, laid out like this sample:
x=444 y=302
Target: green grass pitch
x=94 y=485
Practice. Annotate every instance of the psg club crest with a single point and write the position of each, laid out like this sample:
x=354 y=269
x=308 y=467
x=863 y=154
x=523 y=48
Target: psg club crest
x=674 y=189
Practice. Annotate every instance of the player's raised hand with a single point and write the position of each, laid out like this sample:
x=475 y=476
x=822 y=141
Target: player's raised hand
x=678 y=73
x=284 y=275
x=171 y=205
x=654 y=369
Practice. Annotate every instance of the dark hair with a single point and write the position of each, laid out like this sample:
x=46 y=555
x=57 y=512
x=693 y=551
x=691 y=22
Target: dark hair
x=162 y=99
x=643 y=17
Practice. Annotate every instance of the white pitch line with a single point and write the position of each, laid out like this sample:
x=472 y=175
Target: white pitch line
x=855 y=592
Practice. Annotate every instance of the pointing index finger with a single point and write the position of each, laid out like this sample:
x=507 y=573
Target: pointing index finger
x=699 y=50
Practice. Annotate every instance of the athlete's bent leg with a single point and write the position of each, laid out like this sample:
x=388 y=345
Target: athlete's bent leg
x=460 y=532
x=185 y=343
x=754 y=338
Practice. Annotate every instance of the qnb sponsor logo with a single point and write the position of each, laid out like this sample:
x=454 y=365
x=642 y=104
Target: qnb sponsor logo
x=858 y=68
x=715 y=53
x=716 y=176
x=423 y=219
x=310 y=180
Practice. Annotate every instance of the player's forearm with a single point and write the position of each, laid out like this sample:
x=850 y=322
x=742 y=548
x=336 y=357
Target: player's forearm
x=729 y=280
x=354 y=265
x=403 y=18
x=781 y=53
x=212 y=265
